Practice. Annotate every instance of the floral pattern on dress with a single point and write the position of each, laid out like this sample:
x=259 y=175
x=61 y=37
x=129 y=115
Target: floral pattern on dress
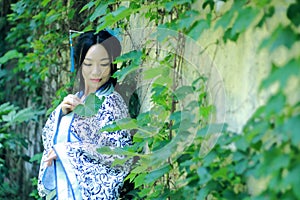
x=96 y=177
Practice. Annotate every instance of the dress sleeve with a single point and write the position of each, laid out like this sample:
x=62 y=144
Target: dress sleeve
x=91 y=138
x=48 y=132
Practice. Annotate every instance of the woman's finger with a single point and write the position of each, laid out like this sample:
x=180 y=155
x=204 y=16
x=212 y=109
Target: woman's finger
x=51 y=156
x=66 y=108
x=69 y=103
x=49 y=163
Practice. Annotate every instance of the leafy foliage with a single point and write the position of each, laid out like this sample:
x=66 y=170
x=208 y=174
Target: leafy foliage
x=11 y=115
x=236 y=158
x=169 y=162
x=33 y=55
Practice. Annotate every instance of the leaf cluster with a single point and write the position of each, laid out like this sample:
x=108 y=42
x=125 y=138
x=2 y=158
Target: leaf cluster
x=264 y=153
x=171 y=161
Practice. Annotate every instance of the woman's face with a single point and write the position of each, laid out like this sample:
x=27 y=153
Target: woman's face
x=95 y=68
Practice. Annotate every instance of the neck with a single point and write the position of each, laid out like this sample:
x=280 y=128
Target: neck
x=101 y=89
x=87 y=91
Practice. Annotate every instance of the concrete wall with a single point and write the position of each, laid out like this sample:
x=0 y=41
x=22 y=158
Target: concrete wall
x=242 y=66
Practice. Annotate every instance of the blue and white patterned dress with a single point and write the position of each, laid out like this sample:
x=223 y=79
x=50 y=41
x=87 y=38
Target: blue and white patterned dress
x=80 y=172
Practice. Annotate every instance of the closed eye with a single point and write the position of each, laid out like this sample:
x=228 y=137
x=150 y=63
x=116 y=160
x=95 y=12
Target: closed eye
x=87 y=64
x=105 y=64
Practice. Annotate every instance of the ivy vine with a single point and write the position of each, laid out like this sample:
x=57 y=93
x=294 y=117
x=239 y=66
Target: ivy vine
x=168 y=136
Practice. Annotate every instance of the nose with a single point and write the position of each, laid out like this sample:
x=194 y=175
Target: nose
x=96 y=70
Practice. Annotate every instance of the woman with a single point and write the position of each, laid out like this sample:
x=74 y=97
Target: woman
x=71 y=167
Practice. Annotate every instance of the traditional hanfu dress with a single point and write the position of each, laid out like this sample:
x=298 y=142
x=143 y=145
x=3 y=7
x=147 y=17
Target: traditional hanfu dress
x=80 y=172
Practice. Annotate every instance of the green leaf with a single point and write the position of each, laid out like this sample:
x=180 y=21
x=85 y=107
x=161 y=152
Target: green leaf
x=267 y=14
x=242 y=144
x=51 y=17
x=275 y=105
x=132 y=55
x=198 y=28
x=290 y=129
x=87 y=6
x=241 y=166
x=181 y=92
x=176 y=116
x=90 y=107
x=210 y=3
x=186 y=19
x=156 y=174
x=139 y=169
x=139 y=180
x=125 y=123
x=282 y=74
x=207 y=111
x=169 y=5
x=164 y=80
x=203 y=175
x=111 y=18
x=99 y=12
x=3 y=73
x=244 y=19
x=221 y=173
x=155 y=72
x=121 y=12
x=262 y=3
x=228 y=35
x=225 y=20
x=143 y=119
x=209 y=158
x=37 y=157
x=134 y=58
x=5 y=108
x=110 y=127
x=203 y=192
x=273 y=161
x=26 y=114
x=10 y=55
x=45 y=3
x=293 y=13
x=21 y=116
x=116 y=151
x=281 y=36
x=144 y=192
x=122 y=73
x=257 y=130
x=293 y=178
x=238 y=155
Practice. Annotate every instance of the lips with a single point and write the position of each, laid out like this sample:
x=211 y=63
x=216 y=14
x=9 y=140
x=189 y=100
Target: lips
x=96 y=80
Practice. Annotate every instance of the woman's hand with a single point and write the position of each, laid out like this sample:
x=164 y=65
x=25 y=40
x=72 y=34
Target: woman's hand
x=51 y=156
x=69 y=103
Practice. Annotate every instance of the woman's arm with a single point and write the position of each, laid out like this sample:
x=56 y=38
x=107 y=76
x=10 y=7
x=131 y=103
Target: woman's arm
x=88 y=130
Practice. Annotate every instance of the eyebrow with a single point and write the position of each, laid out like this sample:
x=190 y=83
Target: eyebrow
x=100 y=60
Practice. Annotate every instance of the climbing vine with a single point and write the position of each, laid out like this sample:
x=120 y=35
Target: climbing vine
x=169 y=133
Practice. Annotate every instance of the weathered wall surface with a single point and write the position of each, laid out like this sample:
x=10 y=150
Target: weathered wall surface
x=242 y=67
x=236 y=69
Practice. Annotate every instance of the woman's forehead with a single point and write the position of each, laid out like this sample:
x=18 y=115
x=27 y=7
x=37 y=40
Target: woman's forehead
x=97 y=51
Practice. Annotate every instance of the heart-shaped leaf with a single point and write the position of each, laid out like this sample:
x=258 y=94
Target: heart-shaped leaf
x=90 y=107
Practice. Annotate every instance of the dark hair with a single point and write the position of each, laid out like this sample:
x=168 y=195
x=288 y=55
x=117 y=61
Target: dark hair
x=90 y=38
